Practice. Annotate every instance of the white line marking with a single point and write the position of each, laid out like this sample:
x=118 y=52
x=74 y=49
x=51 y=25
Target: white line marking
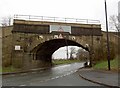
x=52 y=78
x=71 y=72
x=57 y=77
x=61 y=76
x=64 y=75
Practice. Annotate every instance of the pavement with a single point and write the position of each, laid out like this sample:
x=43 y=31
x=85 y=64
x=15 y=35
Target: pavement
x=105 y=78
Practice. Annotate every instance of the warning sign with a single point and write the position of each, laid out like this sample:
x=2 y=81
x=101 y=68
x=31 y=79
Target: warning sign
x=60 y=36
x=60 y=28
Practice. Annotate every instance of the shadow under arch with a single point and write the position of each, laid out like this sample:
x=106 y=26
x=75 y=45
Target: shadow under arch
x=45 y=50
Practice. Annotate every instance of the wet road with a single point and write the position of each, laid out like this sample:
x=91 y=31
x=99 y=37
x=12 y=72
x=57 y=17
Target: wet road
x=62 y=75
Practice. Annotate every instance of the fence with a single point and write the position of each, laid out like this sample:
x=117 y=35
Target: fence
x=56 y=19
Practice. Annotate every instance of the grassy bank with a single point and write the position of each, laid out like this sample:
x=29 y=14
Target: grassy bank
x=103 y=65
x=0 y=69
x=8 y=69
x=63 y=61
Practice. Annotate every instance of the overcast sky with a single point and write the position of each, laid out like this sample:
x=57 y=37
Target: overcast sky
x=61 y=53
x=82 y=9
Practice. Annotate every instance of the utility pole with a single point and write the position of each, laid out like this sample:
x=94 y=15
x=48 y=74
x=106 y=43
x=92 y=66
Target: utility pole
x=108 y=48
x=66 y=48
x=67 y=52
x=91 y=48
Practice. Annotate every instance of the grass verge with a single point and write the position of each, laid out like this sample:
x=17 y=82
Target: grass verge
x=8 y=69
x=103 y=65
x=63 y=61
x=0 y=69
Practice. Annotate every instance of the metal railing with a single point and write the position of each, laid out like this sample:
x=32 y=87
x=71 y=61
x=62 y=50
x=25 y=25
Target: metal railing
x=55 y=19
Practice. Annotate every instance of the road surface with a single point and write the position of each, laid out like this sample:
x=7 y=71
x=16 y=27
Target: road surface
x=62 y=75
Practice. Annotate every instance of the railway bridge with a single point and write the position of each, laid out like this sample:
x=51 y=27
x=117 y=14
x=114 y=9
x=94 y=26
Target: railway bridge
x=33 y=42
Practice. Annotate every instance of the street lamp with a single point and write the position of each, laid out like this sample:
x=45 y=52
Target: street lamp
x=108 y=48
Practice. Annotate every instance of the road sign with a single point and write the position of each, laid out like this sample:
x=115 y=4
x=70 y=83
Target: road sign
x=17 y=47
x=60 y=28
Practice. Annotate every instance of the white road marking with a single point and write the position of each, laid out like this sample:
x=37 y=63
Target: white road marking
x=57 y=77
x=62 y=76
x=71 y=72
x=52 y=78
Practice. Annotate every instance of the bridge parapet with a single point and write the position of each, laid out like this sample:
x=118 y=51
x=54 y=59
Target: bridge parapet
x=56 y=19
x=40 y=27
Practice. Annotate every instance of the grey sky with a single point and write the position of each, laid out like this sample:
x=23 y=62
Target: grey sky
x=82 y=9
x=61 y=53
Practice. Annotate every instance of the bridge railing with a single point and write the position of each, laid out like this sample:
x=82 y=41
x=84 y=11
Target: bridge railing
x=56 y=19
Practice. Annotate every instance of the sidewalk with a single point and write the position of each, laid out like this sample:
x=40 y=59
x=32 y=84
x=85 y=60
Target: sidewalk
x=106 y=78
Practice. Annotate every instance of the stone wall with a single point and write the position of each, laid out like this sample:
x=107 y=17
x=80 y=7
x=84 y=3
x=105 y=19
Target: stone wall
x=27 y=42
x=7 y=46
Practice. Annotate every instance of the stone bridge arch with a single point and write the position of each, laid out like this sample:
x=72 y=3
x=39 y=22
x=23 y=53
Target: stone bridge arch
x=44 y=51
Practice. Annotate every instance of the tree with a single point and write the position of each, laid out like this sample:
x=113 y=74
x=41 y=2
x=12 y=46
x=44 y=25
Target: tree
x=114 y=22
x=72 y=52
x=6 y=21
x=82 y=54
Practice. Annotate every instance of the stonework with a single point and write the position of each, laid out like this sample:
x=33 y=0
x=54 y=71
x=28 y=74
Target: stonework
x=36 y=49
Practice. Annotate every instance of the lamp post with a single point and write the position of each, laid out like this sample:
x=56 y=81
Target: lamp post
x=108 y=48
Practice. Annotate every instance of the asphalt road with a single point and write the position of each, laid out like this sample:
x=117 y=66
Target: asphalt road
x=62 y=75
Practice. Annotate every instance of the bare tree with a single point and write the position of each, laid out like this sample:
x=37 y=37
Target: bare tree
x=72 y=51
x=82 y=54
x=114 y=21
x=6 y=21
x=78 y=53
